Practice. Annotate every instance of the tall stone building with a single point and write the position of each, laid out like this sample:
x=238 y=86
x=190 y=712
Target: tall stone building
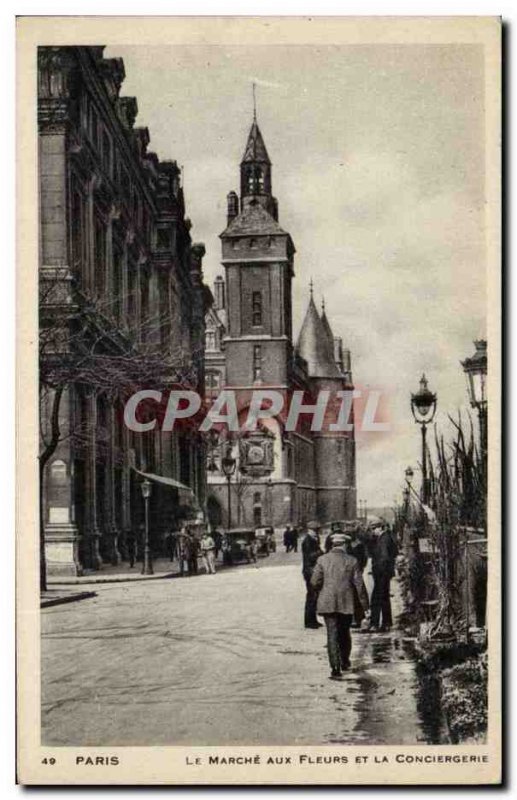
x=121 y=284
x=281 y=476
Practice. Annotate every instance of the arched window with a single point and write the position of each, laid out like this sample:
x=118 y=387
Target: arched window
x=250 y=180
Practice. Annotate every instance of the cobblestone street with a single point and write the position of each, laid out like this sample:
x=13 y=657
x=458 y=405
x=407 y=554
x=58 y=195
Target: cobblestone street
x=218 y=660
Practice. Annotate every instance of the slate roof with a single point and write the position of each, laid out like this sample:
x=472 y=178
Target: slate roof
x=327 y=328
x=254 y=219
x=313 y=345
x=255 y=147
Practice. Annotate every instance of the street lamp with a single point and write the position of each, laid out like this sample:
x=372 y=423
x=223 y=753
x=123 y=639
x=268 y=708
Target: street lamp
x=423 y=406
x=228 y=464
x=147 y=566
x=475 y=369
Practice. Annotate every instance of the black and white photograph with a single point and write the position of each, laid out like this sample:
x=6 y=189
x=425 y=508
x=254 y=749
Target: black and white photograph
x=261 y=329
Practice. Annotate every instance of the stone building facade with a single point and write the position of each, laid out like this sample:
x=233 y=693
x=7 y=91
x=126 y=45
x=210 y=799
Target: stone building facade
x=281 y=476
x=120 y=278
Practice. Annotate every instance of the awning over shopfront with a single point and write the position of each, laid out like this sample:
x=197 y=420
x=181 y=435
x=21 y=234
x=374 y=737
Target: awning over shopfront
x=185 y=494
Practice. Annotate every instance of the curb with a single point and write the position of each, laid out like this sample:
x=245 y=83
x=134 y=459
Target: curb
x=110 y=579
x=69 y=598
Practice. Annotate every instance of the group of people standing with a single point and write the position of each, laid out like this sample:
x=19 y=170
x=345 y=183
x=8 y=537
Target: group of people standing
x=336 y=589
x=291 y=536
x=186 y=546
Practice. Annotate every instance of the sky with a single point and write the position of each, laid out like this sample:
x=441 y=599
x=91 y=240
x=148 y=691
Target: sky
x=378 y=167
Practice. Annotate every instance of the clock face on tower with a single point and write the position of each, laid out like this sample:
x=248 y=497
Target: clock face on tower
x=256 y=455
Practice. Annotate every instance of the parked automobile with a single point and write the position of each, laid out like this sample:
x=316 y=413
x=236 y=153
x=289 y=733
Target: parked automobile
x=266 y=542
x=239 y=544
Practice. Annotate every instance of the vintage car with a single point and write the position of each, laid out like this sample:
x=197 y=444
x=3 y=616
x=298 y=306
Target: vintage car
x=266 y=542
x=239 y=544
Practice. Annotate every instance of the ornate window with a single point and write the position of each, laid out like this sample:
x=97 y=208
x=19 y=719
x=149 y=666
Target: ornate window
x=210 y=340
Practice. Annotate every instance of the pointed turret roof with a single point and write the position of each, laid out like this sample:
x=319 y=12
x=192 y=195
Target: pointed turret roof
x=255 y=147
x=326 y=326
x=313 y=345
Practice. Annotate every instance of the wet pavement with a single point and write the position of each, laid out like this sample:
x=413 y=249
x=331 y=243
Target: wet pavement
x=220 y=659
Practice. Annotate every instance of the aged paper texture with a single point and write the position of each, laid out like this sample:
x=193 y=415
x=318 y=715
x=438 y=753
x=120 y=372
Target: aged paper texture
x=259 y=288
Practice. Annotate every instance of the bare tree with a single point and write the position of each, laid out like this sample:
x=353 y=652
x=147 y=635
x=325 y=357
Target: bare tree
x=82 y=344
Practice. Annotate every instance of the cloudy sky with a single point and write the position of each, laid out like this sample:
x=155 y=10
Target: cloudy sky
x=378 y=167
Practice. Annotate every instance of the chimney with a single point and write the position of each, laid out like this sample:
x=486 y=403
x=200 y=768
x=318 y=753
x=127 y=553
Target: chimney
x=219 y=298
x=233 y=206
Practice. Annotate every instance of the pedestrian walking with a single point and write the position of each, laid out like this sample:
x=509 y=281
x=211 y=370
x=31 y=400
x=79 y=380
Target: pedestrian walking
x=207 y=547
x=287 y=539
x=294 y=539
x=334 y=578
x=357 y=549
x=384 y=551
x=171 y=544
x=311 y=551
x=218 y=541
x=193 y=554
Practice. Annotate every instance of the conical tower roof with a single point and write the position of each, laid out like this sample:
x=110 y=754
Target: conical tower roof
x=314 y=346
x=255 y=147
x=326 y=325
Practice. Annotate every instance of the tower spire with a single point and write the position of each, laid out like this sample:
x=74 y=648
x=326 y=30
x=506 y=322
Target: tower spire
x=254 y=102
x=311 y=288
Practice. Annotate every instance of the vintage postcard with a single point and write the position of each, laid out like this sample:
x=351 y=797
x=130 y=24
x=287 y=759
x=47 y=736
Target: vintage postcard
x=259 y=354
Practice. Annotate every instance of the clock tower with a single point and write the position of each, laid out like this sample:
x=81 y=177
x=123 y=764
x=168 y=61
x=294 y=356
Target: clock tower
x=258 y=261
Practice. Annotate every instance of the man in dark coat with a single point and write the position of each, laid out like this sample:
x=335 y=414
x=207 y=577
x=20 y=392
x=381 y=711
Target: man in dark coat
x=357 y=549
x=311 y=551
x=335 y=577
x=384 y=552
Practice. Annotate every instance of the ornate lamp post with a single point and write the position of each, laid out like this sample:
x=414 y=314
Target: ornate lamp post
x=147 y=566
x=228 y=464
x=423 y=406
x=475 y=369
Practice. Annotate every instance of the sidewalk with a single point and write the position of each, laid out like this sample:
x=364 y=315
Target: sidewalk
x=162 y=567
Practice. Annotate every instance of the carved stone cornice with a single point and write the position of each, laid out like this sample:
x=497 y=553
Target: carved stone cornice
x=57 y=72
x=53 y=115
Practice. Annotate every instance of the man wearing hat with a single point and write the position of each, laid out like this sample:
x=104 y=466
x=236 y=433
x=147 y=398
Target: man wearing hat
x=384 y=551
x=335 y=577
x=311 y=551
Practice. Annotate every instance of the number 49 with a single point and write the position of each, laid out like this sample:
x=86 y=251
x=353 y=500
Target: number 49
x=49 y=761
